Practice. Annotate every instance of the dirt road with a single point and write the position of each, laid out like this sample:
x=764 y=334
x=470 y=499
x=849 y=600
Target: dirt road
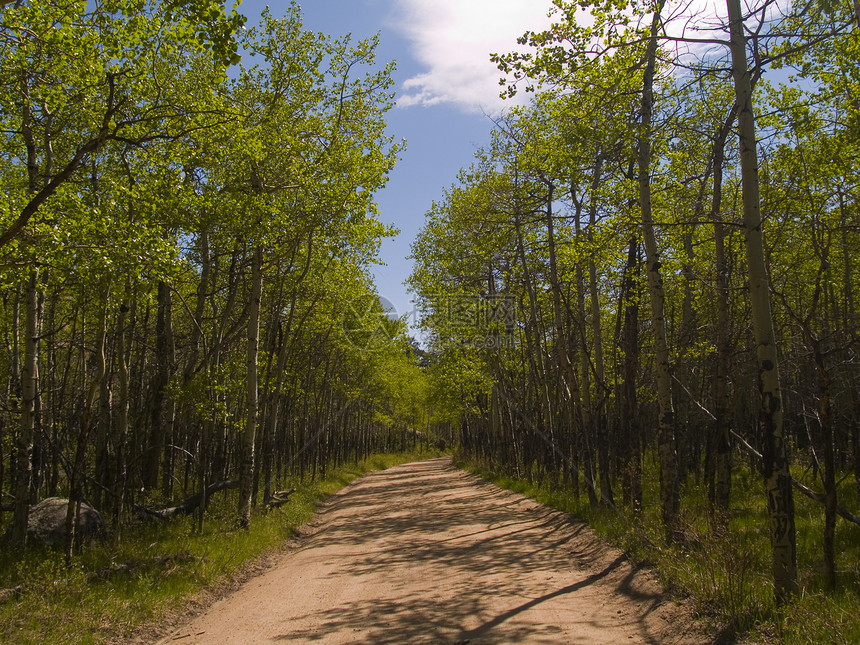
x=424 y=553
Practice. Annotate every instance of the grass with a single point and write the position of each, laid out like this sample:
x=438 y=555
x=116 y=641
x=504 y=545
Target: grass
x=725 y=574
x=58 y=605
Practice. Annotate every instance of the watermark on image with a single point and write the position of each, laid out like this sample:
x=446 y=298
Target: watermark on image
x=371 y=323
x=480 y=314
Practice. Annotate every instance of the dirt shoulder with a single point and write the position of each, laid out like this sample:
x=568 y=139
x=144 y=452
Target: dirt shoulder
x=425 y=553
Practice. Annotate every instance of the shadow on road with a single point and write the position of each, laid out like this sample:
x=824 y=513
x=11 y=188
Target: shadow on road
x=432 y=533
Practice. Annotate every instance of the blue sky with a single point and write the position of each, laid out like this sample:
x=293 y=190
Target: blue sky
x=445 y=84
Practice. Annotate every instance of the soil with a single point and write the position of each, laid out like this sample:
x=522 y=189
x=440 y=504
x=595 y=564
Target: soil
x=425 y=553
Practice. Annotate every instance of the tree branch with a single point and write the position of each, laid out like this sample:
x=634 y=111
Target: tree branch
x=821 y=498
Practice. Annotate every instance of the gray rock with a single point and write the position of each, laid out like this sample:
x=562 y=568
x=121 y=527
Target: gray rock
x=47 y=522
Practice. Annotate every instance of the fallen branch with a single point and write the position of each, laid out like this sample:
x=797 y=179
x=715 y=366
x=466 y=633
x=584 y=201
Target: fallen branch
x=133 y=566
x=279 y=498
x=9 y=594
x=821 y=498
x=7 y=507
x=189 y=505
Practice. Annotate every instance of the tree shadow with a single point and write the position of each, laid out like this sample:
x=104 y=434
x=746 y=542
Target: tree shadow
x=454 y=559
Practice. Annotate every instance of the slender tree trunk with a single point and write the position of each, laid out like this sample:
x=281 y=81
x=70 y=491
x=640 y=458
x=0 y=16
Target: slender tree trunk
x=246 y=474
x=160 y=417
x=775 y=466
x=721 y=495
x=39 y=445
x=830 y=492
x=211 y=358
x=849 y=320
x=121 y=434
x=590 y=431
x=13 y=385
x=669 y=481
x=50 y=388
x=534 y=350
x=849 y=317
x=76 y=478
x=218 y=350
x=199 y=305
x=104 y=465
x=15 y=346
x=601 y=427
x=590 y=419
x=29 y=392
x=29 y=369
x=574 y=396
x=632 y=482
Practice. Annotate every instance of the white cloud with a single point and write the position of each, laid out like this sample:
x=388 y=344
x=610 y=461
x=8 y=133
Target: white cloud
x=453 y=39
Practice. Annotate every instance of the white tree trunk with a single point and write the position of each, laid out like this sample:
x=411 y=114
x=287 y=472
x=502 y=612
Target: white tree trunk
x=246 y=473
x=29 y=391
x=669 y=495
x=775 y=452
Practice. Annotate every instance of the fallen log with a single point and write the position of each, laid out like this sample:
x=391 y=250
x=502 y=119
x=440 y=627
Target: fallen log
x=279 y=498
x=9 y=594
x=188 y=506
x=821 y=498
x=134 y=566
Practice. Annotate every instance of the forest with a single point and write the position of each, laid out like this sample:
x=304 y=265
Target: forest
x=642 y=293
x=638 y=302
x=186 y=243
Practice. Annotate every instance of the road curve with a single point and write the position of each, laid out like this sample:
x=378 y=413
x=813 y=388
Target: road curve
x=425 y=553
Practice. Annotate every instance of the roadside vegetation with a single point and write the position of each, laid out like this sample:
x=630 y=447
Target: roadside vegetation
x=724 y=573
x=131 y=590
x=186 y=253
x=188 y=230
x=641 y=297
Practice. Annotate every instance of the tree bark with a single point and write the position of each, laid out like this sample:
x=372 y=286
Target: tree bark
x=601 y=428
x=775 y=466
x=121 y=434
x=632 y=446
x=79 y=464
x=721 y=495
x=162 y=417
x=246 y=474
x=669 y=481
x=29 y=392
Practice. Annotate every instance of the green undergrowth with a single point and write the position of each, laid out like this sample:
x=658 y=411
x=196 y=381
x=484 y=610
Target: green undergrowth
x=725 y=574
x=169 y=564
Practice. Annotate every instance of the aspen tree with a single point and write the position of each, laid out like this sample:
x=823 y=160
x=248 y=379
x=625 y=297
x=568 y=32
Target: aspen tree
x=775 y=465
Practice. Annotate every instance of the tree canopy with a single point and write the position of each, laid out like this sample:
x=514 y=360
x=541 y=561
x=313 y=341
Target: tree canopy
x=180 y=250
x=675 y=293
